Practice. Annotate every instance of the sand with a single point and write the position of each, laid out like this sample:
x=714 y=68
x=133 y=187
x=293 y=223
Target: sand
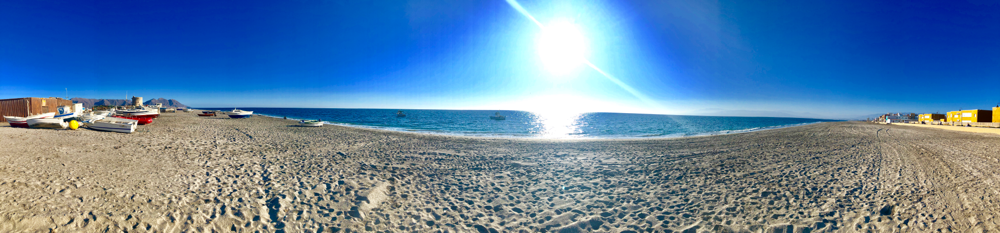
x=189 y=174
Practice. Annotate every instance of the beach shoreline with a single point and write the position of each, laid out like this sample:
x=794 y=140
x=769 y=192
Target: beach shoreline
x=189 y=173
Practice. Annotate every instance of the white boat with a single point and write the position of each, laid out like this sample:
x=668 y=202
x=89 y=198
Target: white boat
x=311 y=123
x=92 y=116
x=65 y=112
x=23 y=121
x=187 y=110
x=236 y=113
x=497 y=116
x=47 y=123
x=114 y=124
x=141 y=112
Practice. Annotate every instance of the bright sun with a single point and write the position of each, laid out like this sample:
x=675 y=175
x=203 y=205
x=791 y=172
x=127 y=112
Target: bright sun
x=562 y=47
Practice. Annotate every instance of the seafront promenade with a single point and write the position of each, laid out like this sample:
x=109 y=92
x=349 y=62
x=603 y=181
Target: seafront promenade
x=186 y=173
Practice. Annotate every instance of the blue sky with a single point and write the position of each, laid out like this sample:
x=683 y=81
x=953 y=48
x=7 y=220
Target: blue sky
x=837 y=59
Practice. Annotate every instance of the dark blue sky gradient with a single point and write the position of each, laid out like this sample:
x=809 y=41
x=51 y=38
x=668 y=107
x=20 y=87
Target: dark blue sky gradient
x=776 y=58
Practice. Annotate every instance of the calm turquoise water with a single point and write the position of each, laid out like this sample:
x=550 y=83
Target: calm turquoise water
x=531 y=125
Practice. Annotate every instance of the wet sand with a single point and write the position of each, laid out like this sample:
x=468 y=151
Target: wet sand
x=185 y=173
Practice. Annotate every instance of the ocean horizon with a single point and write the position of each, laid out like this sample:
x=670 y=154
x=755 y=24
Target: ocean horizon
x=526 y=124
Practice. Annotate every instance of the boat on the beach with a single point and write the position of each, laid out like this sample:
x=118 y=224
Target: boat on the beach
x=187 y=110
x=207 y=113
x=311 y=123
x=497 y=116
x=64 y=112
x=141 y=112
x=143 y=120
x=236 y=113
x=22 y=122
x=47 y=123
x=92 y=116
x=400 y=114
x=114 y=124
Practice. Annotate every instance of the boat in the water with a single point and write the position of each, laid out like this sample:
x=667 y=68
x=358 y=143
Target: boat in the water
x=311 y=123
x=400 y=114
x=47 y=123
x=23 y=121
x=236 y=113
x=497 y=116
x=64 y=112
x=142 y=120
x=114 y=124
x=207 y=113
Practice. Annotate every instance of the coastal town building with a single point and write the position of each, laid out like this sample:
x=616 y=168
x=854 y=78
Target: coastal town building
x=931 y=117
x=136 y=101
x=969 y=116
x=996 y=116
x=22 y=107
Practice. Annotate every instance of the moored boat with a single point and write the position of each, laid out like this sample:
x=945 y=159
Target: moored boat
x=47 y=123
x=400 y=114
x=22 y=122
x=311 y=123
x=207 y=113
x=236 y=113
x=143 y=120
x=497 y=116
x=114 y=124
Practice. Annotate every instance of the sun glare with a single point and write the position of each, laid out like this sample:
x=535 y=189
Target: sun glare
x=562 y=47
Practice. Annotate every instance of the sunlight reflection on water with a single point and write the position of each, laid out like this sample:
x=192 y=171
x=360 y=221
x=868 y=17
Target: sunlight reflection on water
x=556 y=125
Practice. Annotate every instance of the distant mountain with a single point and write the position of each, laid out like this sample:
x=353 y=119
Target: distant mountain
x=90 y=103
x=167 y=103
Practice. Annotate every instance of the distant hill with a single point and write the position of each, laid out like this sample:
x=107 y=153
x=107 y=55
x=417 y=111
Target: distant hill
x=90 y=103
x=168 y=103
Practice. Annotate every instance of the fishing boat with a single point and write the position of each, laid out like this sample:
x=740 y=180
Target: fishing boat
x=497 y=116
x=400 y=114
x=65 y=112
x=311 y=123
x=91 y=117
x=187 y=110
x=23 y=121
x=141 y=112
x=236 y=113
x=114 y=124
x=47 y=123
x=142 y=120
x=207 y=113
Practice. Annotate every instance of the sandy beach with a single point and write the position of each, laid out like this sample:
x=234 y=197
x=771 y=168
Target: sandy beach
x=189 y=174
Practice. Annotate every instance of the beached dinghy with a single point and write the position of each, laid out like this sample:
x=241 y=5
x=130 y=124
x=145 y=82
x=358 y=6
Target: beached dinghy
x=311 y=123
x=92 y=117
x=236 y=113
x=65 y=112
x=114 y=124
x=143 y=120
x=154 y=113
x=47 y=123
x=207 y=113
x=23 y=121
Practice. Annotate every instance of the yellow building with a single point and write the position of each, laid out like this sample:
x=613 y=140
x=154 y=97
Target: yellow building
x=996 y=116
x=973 y=115
x=929 y=117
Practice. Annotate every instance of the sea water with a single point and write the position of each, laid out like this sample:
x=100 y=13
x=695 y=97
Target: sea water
x=533 y=125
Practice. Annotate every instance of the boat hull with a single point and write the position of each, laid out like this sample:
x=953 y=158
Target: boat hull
x=311 y=124
x=206 y=114
x=119 y=126
x=240 y=115
x=47 y=124
x=22 y=122
x=140 y=119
